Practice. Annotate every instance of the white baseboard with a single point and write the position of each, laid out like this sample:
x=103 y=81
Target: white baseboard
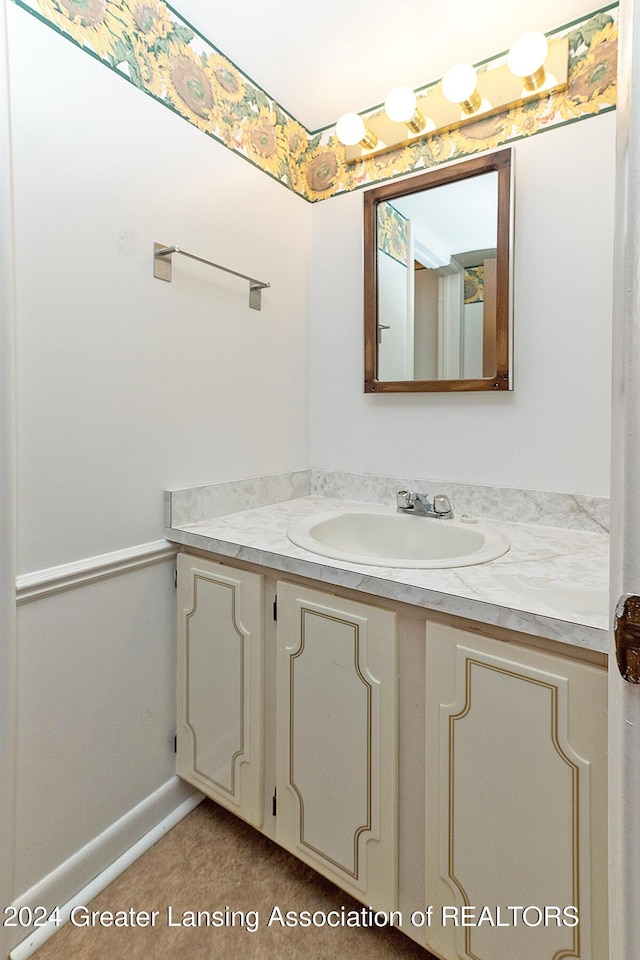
x=104 y=859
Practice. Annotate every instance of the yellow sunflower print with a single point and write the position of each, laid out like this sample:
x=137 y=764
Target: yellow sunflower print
x=526 y=120
x=229 y=83
x=295 y=175
x=262 y=140
x=96 y=24
x=385 y=166
x=148 y=67
x=229 y=129
x=484 y=134
x=392 y=232
x=151 y=21
x=153 y=46
x=439 y=148
x=189 y=86
x=592 y=84
x=321 y=173
x=351 y=175
x=296 y=138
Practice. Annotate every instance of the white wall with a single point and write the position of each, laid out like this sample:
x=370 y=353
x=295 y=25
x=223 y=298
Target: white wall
x=426 y=324
x=7 y=489
x=393 y=312
x=550 y=433
x=96 y=713
x=127 y=386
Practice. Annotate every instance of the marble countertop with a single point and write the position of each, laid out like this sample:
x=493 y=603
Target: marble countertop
x=552 y=583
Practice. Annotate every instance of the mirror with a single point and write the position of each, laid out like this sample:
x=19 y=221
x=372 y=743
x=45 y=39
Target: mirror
x=437 y=279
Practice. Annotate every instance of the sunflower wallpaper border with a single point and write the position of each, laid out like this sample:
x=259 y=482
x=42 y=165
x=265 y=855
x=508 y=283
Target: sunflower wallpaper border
x=474 y=284
x=149 y=44
x=392 y=232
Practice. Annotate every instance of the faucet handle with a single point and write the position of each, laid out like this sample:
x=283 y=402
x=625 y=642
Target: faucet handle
x=441 y=505
x=405 y=499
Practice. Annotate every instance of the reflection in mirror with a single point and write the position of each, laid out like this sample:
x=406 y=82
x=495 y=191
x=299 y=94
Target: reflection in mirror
x=437 y=280
x=436 y=261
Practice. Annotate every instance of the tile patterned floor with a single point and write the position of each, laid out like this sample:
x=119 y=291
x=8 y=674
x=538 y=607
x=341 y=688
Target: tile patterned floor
x=208 y=862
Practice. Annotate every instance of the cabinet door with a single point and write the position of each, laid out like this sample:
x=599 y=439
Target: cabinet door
x=337 y=740
x=220 y=683
x=516 y=832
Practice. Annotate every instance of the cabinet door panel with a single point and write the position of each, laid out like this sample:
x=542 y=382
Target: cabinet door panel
x=337 y=736
x=517 y=741
x=220 y=699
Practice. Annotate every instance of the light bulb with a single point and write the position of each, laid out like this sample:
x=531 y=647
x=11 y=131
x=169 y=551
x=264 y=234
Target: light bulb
x=401 y=106
x=526 y=59
x=351 y=129
x=459 y=86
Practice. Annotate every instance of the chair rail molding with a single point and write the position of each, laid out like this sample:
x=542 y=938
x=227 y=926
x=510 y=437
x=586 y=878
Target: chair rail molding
x=42 y=583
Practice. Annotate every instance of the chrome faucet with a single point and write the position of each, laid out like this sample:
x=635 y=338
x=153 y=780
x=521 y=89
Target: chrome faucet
x=420 y=505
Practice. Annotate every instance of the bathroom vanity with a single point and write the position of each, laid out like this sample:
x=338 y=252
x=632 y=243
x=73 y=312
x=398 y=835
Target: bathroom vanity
x=432 y=741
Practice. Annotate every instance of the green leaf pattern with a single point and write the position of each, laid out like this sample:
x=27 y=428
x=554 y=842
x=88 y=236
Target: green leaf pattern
x=143 y=40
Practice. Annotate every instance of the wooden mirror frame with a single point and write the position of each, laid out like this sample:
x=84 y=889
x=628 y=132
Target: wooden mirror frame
x=501 y=162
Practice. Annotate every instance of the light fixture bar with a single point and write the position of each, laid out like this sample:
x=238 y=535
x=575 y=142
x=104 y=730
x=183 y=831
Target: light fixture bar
x=497 y=89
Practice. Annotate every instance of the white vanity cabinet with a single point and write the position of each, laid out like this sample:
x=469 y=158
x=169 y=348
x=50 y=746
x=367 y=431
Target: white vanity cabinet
x=420 y=762
x=220 y=732
x=332 y=712
x=516 y=794
x=337 y=740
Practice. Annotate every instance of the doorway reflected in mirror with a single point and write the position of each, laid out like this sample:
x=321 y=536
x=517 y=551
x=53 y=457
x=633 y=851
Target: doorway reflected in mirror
x=437 y=279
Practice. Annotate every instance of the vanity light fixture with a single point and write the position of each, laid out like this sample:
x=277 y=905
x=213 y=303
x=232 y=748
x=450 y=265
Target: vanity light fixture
x=401 y=106
x=351 y=130
x=534 y=68
x=527 y=58
x=460 y=85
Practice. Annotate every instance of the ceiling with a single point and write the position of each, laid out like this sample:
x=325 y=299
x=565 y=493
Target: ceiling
x=319 y=60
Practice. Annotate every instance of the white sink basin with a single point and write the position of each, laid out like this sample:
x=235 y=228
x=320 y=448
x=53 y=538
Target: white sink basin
x=380 y=536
